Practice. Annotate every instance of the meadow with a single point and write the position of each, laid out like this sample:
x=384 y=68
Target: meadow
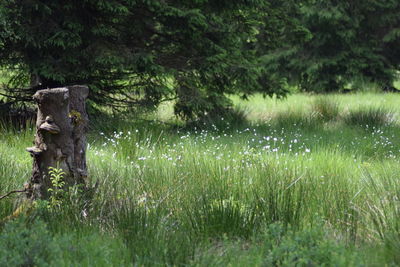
x=304 y=181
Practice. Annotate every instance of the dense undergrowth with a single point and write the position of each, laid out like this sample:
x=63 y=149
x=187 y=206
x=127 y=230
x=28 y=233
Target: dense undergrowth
x=307 y=181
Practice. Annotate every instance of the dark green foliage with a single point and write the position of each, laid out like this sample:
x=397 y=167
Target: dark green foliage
x=26 y=245
x=141 y=53
x=137 y=52
x=309 y=247
x=343 y=41
x=25 y=242
x=278 y=246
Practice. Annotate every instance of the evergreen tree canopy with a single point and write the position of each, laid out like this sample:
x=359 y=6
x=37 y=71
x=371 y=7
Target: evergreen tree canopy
x=138 y=51
x=143 y=52
x=346 y=41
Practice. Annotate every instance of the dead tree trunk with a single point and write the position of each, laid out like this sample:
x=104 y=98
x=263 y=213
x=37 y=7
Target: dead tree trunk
x=60 y=140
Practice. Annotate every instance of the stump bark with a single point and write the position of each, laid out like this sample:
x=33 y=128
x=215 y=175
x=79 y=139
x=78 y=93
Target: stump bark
x=60 y=139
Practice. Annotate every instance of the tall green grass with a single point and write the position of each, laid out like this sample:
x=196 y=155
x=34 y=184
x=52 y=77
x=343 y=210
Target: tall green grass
x=370 y=117
x=287 y=187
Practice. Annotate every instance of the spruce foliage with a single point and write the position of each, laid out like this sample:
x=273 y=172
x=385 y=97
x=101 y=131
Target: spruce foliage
x=136 y=52
x=143 y=52
x=343 y=42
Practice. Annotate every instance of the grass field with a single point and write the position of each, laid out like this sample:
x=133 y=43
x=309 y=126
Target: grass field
x=305 y=181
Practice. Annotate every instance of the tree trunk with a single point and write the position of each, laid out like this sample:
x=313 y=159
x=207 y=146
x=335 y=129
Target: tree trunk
x=60 y=140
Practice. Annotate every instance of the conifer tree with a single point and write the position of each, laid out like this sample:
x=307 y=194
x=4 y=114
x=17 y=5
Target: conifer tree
x=346 y=41
x=134 y=52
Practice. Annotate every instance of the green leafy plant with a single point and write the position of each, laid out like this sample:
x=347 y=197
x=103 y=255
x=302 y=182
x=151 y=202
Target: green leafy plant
x=65 y=199
x=57 y=193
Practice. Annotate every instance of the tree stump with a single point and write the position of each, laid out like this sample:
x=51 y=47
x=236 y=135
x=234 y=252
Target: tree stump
x=60 y=139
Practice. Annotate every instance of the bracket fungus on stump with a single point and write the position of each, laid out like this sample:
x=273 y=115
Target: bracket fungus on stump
x=60 y=139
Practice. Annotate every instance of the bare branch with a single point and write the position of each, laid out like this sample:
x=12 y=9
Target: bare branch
x=12 y=192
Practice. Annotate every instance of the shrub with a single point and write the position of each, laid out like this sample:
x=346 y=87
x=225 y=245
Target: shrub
x=24 y=244
x=310 y=247
x=277 y=246
x=27 y=243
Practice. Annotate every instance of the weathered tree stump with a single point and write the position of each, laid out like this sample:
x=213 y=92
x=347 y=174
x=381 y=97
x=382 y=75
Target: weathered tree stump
x=60 y=139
